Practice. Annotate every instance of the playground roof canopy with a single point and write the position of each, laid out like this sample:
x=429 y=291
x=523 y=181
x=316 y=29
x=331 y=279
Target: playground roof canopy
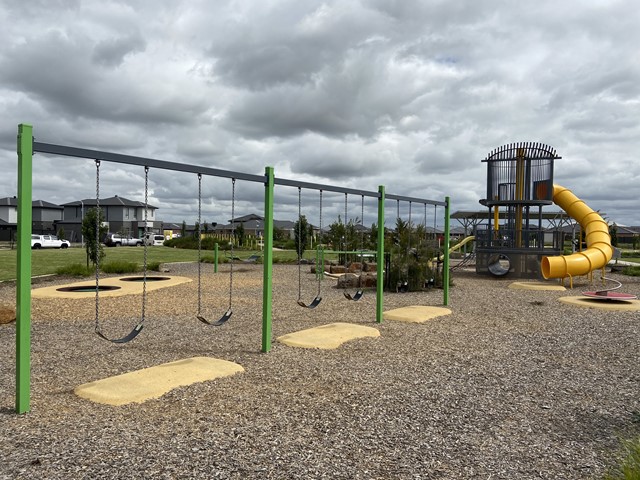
x=471 y=218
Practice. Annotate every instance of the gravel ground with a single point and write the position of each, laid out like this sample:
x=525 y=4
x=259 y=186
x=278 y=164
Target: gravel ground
x=513 y=384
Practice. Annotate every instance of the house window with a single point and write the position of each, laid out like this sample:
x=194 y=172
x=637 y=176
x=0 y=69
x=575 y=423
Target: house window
x=126 y=212
x=135 y=213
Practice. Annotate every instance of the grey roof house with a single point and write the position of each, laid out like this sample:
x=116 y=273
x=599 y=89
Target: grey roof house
x=121 y=216
x=45 y=215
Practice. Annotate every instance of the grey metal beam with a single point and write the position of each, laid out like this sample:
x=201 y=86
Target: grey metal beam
x=326 y=188
x=402 y=198
x=142 y=161
x=64 y=150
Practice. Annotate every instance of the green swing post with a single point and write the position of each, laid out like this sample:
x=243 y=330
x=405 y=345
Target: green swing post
x=380 y=259
x=267 y=259
x=23 y=274
x=445 y=264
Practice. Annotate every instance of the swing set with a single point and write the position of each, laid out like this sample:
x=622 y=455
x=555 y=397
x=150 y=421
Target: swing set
x=27 y=146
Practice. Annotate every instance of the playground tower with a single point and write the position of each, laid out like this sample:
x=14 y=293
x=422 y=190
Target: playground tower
x=519 y=184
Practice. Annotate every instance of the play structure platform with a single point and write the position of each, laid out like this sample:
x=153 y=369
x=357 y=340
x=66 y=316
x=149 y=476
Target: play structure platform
x=519 y=185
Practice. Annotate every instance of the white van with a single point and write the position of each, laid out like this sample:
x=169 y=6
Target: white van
x=153 y=239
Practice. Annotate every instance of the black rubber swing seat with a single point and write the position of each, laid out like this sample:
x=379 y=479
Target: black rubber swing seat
x=222 y=321
x=355 y=297
x=316 y=301
x=133 y=334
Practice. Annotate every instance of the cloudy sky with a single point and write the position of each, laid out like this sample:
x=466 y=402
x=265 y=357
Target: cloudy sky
x=406 y=93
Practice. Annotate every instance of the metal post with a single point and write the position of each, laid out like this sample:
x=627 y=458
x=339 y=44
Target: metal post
x=23 y=274
x=267 y=260
x=445 y=265
x=215 y=257
x=380 y=262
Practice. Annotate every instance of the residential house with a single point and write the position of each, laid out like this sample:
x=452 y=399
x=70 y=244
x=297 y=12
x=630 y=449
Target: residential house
x=627 y=234
x=44 y=216
x=8 y=219
x=254 y=225
x=121 y=215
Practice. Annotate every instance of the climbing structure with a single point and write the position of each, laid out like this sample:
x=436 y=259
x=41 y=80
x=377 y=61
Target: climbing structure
x=519 y=185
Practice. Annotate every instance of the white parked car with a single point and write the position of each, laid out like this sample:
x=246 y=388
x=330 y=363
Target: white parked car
x=153 y=239
x=115 y=240
x=48 y=241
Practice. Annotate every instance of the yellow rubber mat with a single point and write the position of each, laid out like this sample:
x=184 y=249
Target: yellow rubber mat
x=415 y=313
x=620 y=305
x=123 y=287
x=153 y=382
x=327 y=336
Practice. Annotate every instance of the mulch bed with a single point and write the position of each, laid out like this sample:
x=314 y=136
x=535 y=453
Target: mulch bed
x=513 y=384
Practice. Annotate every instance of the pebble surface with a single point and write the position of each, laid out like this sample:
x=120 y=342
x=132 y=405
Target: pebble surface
x=513 y=384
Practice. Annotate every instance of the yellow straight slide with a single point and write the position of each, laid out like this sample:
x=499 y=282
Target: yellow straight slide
x=457 y=246
x=462 y=242
x=599 y=250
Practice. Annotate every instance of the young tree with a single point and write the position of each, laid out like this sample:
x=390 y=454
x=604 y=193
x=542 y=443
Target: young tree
x=183 y=229
x=301 y=231
x=92 y=244
x=61 y=233
x=336 y=235
x=239 y=235
x=373 y=237
x=280 y=234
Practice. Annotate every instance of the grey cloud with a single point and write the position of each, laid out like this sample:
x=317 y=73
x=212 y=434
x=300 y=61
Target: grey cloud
x=409 y=94
x=69 y=87
x=254 y=55
x=111 y=52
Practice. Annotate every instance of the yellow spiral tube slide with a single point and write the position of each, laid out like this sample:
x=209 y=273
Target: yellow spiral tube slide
x=599 y=250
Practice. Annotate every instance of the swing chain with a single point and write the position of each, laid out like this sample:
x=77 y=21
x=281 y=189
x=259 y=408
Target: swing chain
x=409 y=225
x=233 y=236
x=144 y=264
x=199 y=242
x=361 y=225
x=345 y=228
x=322 y=256
x=299 y=244
x=97 y=246
x=425 y=223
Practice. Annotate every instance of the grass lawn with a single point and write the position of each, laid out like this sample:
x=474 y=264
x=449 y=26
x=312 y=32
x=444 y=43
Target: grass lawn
x=47 y=261
x=631 y=259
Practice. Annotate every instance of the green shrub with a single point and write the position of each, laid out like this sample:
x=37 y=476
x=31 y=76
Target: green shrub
x=631 y=271
x=207 y=259
x=191 y=242
x=120 y=266
x=629 y=253
x=629 y=466
x=153 y=266
x=75 y=270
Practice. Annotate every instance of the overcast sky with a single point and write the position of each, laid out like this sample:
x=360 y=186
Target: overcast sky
x=409 y=94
